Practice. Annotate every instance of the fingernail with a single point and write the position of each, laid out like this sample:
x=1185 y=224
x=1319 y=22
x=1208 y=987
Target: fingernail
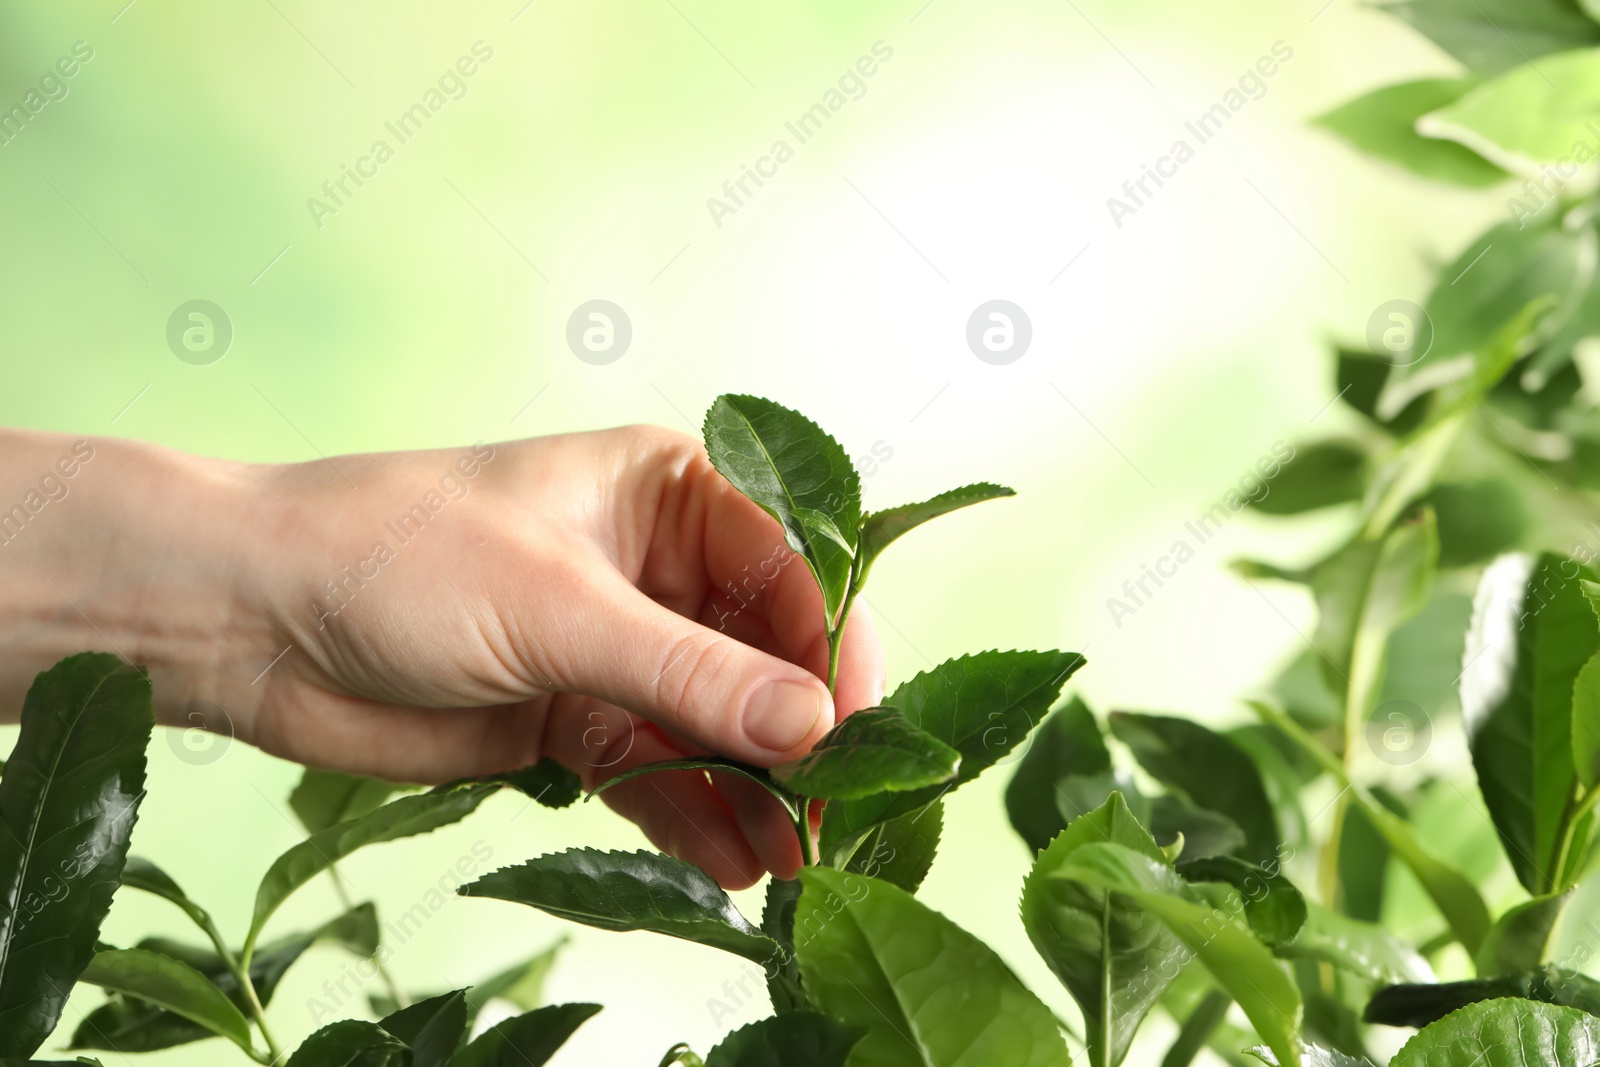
x=781 y=714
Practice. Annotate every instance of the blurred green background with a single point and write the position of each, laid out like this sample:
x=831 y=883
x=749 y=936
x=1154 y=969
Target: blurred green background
x=1168 y=353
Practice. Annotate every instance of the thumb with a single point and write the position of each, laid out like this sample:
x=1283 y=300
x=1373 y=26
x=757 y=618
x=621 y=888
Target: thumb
x=714 y=690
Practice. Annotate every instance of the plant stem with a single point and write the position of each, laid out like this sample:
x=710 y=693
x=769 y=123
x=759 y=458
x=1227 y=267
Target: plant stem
x=400 y=999
x=1585 y=806
x=240 y=969
x=802 y=826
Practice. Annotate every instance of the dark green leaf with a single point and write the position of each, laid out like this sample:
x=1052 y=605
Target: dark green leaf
x=1274 y=908
x=1205 y=833
x=1207 y=767
x=880 y=528
x=797 y=1039
x=928 y=993
x=901 y=851
x=1586 y=706
x=1506 y=1033
x=1519 y=939
x=875 y=750
x=1383 y=123
x=629 y=891
x=1364 y=949
x=323 y=798
x=983 y=706
x=351 y=1043
x=527 y=1040
x=433 y=1029
x=1477 y=520
x=720 y=764
x=1066 y=744
x=1197 y=1029
x=170 y=984
x=1359 y=379
x=1320 y=475
x=1532 y=630
x=1420 y=1005
x=1240 y=964
x=1494 y=35
x=1105 y=948
x=797 y=474
x=547 y=781
x=777 y=922
x=1363 y=866
x=68 y=798
x=405 y=817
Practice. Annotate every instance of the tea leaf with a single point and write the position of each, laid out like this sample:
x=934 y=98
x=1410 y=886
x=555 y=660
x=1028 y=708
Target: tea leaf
x=872 y=751
x=1489 y=36
x=323 y=798
x=432 y=1029
x=629 y=891
x=1505 y=1033
x=1586 y=706
x=797 y=1039
x=928 y=993
x=1383 y=123
x=1360 y=948
x=170 y=984
x=528 y=1040
x=881 y=528
x=1421 y=1005
x=68 y=798
x=901 y=851
x=1274 y=908
x=1520 y=938
x=351 y=1043
x=1067 y=744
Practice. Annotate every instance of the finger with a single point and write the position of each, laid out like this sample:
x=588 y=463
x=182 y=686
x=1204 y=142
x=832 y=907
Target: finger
x=625 y=649
x=764 y=822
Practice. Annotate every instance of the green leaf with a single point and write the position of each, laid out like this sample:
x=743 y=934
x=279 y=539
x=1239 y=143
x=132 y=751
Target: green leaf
x=405 y=817
x=777 y=922
x=528 y=1040
x=1422 y=1005
x=875 y=750
x=880 y=528
x=1532 y=115
x=797 y=1039
x=901 y=851
x=521 y=985
x=1105 y=949
x=1205 y=833
x=127 y=1024
x=1274 y=908
x=797 y=474
x=1207 y=767
x=1452 y=892
x=1198 y=1027
x=1489 y=36
x=1066 y=744
x=1586 y=706
x=68 y=798
x=629 y=891
x=433 y=1029
x=1311 y=1056
x=1519 y=939
x=1364 y=949
x=1505 y=1033
x=351 y=1043
x=1532 y=630
x=982 y=706
x=170 y=984
x=323 y=798
x=1359 y=378
x=547 y=782
x=1240 y=964
x=759 y=775
x=1477 y=520
x=1383 y=123
x=1319 y=475
x=928 y=993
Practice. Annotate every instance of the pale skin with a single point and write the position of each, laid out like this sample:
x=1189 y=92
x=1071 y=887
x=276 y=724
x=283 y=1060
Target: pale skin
x=602 y=599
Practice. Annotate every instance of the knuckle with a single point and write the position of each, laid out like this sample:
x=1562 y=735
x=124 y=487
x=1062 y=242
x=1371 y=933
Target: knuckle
x=691 y=665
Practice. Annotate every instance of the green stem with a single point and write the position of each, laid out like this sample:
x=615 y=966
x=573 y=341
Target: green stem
x=1585 y=806
x=802 y=827
x=241 y=973
x=400 y=999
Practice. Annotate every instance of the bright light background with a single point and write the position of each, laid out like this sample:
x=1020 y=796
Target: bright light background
x=1167 y=353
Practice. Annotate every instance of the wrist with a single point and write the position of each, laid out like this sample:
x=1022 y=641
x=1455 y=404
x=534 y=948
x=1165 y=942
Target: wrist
x=139 y=551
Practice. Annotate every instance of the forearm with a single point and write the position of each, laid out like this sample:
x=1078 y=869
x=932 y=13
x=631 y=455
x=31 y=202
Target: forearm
x=121 y=547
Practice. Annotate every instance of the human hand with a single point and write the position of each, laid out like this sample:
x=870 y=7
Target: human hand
x=604 y=599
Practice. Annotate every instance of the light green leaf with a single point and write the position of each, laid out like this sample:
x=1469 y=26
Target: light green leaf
x=68 y=798
x=1519 y=939
x=323 y=798
x=928 y=993
x=1068 y=743
x=1383 y=123
x=797 y=474
x=983 y=706
x=1310 y=1056
x=1505 y=1033
x=1208 y=768
x=901 y=851
x=1489 y=36
x=1360 y=948
x=521 y=985
x=1320 y=475
x=527 y=1040
x=1273 y=907
x=1244 y=968
x=1586 y=706
x=1105 y=949
x=629 y=891
x=1532 y=630
x=170 y=984
x=1534 y=114
x=880 y=528
x=797 y=1039
x=405 y=817
x=874 y=750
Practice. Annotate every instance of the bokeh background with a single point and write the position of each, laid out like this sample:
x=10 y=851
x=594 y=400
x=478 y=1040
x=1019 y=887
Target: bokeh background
x=1168 y=352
